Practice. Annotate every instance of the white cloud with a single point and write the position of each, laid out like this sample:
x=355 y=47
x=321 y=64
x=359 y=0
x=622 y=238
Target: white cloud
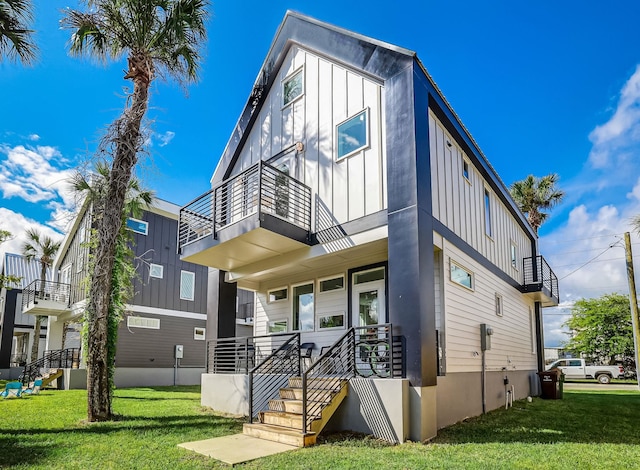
x=613 y=139
x=34 y=137
x=165 y=138
x=18 y=224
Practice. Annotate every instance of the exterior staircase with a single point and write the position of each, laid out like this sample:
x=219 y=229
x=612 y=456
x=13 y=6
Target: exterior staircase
x=283 y=421
x=50 y=376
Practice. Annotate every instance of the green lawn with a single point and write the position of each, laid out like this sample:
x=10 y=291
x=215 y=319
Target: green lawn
x=584 y=430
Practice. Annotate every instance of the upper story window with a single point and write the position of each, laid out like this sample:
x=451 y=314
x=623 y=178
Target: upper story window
x=292 y=87
x=353 y=134
x=514 y=255
x=138 y=226
x=143 y=322
x=333 y=283
x=277 y=294
x=465 y=169
x=187 y=285
x=156 y=270
x=461 y=276
x=487 y=212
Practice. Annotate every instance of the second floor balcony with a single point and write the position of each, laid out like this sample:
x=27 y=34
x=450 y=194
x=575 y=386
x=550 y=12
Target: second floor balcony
x=257 y=214
x=540 y=282
x=46 y=298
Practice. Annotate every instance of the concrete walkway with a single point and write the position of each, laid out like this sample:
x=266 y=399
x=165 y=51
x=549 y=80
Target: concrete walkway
x=236 y=448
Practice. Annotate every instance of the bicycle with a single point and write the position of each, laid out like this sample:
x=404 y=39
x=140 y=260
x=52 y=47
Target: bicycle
x=373 y=358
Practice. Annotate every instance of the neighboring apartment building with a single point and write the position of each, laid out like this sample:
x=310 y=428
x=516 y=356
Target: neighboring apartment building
x=16 y=328
x=168 y=308
x=351 y=195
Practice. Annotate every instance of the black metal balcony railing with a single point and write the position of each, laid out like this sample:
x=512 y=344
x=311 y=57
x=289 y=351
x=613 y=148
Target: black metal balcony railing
x=538 y=275
x=46 y=290
x=259 y=189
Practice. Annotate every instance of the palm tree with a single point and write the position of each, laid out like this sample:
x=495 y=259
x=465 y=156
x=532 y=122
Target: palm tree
x=43 y=249
x=16 y=40
x=6 y=280
x=535 y=195
x=636 y=223
x=159 y=37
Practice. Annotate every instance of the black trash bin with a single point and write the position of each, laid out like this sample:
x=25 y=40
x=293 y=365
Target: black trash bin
x=550 y=381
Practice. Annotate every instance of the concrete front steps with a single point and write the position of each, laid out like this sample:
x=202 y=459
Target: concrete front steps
x=50 y=376
x=282 y=422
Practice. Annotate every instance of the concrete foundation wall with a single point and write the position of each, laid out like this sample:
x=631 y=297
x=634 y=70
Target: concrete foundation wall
x=226 y=393
x=459 y=395
x=137 y=377
x=11 y=374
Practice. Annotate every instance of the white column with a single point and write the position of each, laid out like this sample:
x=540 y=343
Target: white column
x=54 y=334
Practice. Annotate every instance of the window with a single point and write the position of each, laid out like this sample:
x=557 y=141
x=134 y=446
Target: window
x=278 y=326
x=187 y=285
x=156 y=270
x=532 y=326
x=353 y=134
x=465 y=169
x=143 y=322
x=80 y=264
x=498 y=305
x=487 y=212
x=461 y=276
x=514 y=255
x=334 y=283
x=199 y=333
x=331 y=320
x=138 y=226
x=303 y=307
x=292 y=87
x=368 y=276
x=277 y=294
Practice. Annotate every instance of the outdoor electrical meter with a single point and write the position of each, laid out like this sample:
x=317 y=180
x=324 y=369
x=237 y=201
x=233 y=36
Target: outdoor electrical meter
x=485 y=336
x=179 y=351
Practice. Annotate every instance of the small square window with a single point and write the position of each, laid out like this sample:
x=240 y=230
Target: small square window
x=353 y=134
x=276 y=295
x=138 y=226
x=498 y=305
x=277 y=326
x=461 y=276
x=187 y=285
x=199 y=333
x=465 y=169
x=292 y=87
x=156 y=270
x=334 y=283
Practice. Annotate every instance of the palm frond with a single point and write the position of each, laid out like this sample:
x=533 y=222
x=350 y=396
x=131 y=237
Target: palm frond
x=16 y=39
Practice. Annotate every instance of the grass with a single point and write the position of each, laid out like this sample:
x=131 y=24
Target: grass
x=584 y=430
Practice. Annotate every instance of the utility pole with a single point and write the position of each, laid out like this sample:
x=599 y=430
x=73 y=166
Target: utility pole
x=633 y=300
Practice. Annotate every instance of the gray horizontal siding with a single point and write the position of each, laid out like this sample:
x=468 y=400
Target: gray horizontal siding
x=142 y=347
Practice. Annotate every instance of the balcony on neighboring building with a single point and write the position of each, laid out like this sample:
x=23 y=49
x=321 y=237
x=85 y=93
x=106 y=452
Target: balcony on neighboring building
x=257 y=214
x=540 y=282
x=46 y=298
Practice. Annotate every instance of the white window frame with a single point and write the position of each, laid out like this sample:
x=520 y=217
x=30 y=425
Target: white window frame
x=466 y=165
x=499 y=305
x=153 y=266
x=331 y=314
x=294 y=326
x=359 y=273
x=150 y=326
x=284 y=288
x=193 y=290
x=330 y=278
x=272 y=323
x=367 y=143
x=80 y=263
x=472 y=279
x=146 y=226
x=199 y=333
x=289 y=77
x=513 y=254
x=488 y=229
x=532 y=326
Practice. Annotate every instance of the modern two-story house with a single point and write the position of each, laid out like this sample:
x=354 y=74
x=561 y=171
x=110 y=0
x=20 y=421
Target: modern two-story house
x=382 y=247
x=168 y=308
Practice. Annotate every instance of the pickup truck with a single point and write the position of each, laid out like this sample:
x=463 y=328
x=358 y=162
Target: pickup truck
x=577 y=369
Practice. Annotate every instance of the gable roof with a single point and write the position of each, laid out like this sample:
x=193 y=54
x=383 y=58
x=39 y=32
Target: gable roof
x=17 y=265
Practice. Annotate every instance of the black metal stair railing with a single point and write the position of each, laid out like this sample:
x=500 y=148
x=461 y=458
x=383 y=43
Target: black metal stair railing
x=54 y=359
x=273 y=373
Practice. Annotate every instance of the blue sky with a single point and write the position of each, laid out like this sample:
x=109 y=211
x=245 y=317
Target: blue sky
x=543 y=87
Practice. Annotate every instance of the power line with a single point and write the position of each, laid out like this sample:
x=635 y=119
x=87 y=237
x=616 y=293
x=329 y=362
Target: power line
x=592 y=259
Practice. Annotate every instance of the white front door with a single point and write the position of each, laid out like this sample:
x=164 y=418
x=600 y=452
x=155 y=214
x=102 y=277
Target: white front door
x=368 y=303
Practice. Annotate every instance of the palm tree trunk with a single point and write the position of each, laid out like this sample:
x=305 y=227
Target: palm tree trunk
x=36 y=339
x=127 y=141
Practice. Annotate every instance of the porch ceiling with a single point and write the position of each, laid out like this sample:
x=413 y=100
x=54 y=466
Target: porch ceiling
x=250 y=247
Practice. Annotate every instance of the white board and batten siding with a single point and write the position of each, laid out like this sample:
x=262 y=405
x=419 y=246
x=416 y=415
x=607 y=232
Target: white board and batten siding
x=513 y=341
x=459 y=203
x=347 y=189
